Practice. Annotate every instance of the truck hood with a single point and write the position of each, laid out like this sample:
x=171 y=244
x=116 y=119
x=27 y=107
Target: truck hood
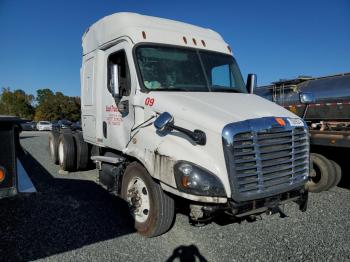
x=214 y=110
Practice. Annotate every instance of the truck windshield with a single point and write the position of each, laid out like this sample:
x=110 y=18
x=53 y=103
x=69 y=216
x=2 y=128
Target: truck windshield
x=183 y=69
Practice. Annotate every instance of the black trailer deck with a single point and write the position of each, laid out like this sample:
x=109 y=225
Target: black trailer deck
x=13 y=177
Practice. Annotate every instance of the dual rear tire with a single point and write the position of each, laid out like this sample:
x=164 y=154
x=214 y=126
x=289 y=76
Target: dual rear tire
x=66 y=152
x=69 y=150
x=325 y=174
x=53 y=146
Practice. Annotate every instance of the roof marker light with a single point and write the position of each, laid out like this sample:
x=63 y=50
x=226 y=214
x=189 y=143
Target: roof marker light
x=143 y=34
x=203 y=43
x=194 y=41
x=229 y=49
x=185 y=40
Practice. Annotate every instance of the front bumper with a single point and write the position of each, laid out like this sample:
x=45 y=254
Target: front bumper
x=254 y=207
x=241 y=209
x=44 y=128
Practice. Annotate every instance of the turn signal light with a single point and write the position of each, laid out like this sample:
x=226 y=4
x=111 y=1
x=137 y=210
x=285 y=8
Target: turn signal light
x=185 y=181
x=2 y=174
x=280 y=121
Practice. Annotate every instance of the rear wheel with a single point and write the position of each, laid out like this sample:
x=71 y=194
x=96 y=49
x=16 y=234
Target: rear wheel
x=320 y=177
x=337 y=173
x=53 y=147
x=82 y=151
x=152 y=209
x=66 y=152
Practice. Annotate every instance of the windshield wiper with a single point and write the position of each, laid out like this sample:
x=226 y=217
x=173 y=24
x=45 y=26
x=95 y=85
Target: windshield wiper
x=226 y=90
x=169 y=89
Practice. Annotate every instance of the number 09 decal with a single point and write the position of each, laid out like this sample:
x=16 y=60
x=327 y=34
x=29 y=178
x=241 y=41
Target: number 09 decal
x=149 y=101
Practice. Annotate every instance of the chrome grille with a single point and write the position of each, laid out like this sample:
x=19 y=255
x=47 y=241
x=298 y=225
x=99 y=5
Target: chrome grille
x=264 y=161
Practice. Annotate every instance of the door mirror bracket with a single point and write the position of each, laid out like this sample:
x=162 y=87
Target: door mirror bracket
x=115 y=81
x=165 y=121
x=251 y=83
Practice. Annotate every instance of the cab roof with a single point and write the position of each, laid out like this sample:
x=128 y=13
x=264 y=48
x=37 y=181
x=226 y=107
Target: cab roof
x=140 y=28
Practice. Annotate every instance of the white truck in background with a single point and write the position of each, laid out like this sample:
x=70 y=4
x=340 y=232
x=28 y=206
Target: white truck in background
x=165 y=113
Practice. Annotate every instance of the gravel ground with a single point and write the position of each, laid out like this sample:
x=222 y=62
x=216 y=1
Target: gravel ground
x=71 y=218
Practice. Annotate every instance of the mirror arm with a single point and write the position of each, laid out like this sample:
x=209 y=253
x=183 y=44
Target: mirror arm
x=305 y=111
x=197 y=136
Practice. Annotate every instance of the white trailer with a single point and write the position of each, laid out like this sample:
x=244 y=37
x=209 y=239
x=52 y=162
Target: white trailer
x=165 y=113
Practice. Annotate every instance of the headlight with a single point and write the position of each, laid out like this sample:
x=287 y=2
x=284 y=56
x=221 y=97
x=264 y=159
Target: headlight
x=195 y=180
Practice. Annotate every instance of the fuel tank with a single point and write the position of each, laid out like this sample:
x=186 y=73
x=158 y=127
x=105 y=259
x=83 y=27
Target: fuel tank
x=332 y=94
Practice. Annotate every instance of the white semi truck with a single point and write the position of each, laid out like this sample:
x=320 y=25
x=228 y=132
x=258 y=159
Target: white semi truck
x=167 y=115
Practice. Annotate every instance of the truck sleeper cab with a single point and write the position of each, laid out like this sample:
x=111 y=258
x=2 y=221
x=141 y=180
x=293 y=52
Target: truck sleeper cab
x=167 y=113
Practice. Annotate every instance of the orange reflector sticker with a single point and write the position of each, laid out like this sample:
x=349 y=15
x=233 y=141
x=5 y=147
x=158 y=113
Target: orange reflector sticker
x=280 y=121
x=2 y=174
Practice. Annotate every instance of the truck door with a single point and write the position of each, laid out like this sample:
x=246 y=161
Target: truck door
x=118 y=114
x=88 y=99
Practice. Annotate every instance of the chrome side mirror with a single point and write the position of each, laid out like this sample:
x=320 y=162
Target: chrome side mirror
x=251 y=83
x=306 y=98
x=163 y=121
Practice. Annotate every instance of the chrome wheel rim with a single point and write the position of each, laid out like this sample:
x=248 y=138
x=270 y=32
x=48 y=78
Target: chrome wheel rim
x=138 y=199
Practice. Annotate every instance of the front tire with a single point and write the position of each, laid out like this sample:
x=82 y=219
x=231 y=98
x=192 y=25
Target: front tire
x=152 y=209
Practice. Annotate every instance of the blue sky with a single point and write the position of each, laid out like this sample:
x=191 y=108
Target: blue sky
x=40 y=40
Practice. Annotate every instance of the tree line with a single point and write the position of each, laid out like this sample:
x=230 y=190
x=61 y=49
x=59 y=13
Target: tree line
x=46 y=105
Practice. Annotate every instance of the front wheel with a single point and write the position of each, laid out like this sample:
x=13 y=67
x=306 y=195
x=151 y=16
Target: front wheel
x=152 y=209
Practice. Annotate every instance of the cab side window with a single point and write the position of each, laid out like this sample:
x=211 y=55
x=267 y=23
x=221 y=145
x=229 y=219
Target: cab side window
x=124 y=83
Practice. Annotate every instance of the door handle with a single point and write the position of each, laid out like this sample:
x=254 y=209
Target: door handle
x=104 y=129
